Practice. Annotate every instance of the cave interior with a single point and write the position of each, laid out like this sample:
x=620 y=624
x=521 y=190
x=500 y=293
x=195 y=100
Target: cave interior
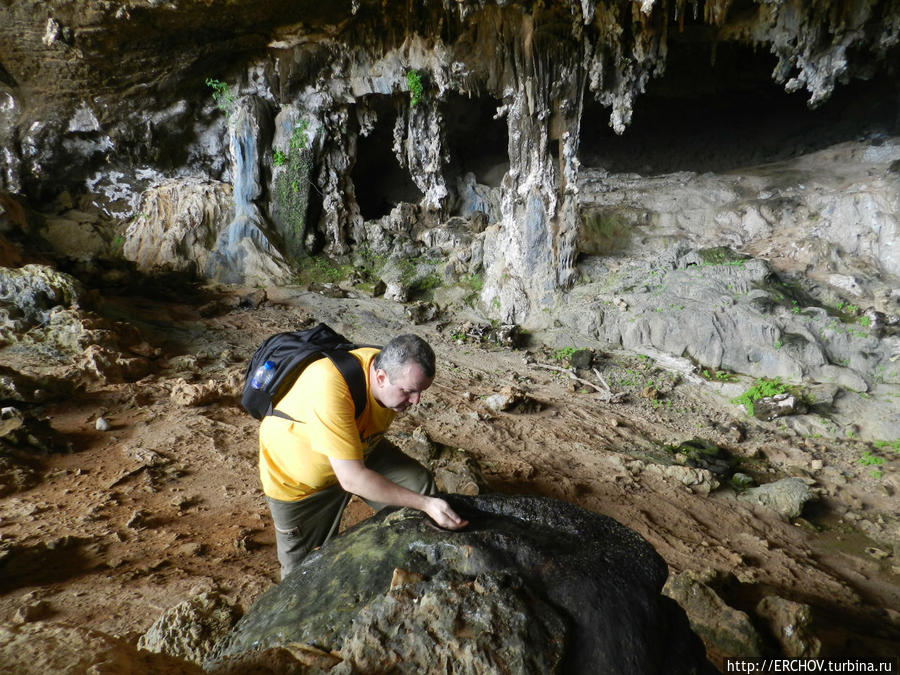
x=716 y=109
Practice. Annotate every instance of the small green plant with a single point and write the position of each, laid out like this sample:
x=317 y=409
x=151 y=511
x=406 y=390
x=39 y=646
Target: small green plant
x=321 y=270
x=298 y=136
x=409 y=268
x=877 y=474
x=846 y=307
x=117 y=243
x=868 y=459
x=721 y=255
x=473 y=281
x=762 y=388
x=292 y=185
x=796 y=307
x=893 y=445
x=778 y=344
x=222 y=95
x=414 y=84
x=864 y=321
x=564 y=354
x=427 y=283
x=717 y=375
x=372 y=262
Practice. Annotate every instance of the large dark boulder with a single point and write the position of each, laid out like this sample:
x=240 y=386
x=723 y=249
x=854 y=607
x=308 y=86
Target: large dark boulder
x=531 y=585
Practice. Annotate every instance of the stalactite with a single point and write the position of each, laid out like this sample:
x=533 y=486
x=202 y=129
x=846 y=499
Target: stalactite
x=420 y=147
x=340 y=211
x=715 y=11
x=532 y=58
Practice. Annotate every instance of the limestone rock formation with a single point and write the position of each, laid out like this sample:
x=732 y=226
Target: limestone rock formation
x=192 y=226
x=723 y=628
x=45 y=647
x=18 y=387
x=786 y=497
x=832 y=214
x=455 y=470
x=46 y=314
x=191 y=628
x=531 y=585
x=792 y=625
x=728 y=312
x=24 y=438
x=112 y=100
x=30 y=294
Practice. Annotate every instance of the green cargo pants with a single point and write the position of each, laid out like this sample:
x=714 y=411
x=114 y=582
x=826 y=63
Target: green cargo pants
x=302 y=525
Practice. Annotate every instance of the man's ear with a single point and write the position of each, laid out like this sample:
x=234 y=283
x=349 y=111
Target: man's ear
x=380 y=376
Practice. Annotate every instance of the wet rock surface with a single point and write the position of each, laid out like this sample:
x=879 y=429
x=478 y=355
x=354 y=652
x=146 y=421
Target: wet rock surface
x=532 y=585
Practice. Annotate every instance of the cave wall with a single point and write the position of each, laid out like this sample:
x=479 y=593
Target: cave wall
x=107 y=100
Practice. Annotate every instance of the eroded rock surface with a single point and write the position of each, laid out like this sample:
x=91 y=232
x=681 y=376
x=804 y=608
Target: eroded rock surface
x=532 y=585
x=727 y=312
x=43 y=647
x=114 y=100
x=191 y=628
x=786 y=497
x=722 y=628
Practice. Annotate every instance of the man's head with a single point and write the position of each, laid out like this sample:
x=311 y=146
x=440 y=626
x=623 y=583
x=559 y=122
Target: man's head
x=402 y=370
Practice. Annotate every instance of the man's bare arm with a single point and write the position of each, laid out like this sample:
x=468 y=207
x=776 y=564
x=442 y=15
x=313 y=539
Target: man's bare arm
x=355 y=477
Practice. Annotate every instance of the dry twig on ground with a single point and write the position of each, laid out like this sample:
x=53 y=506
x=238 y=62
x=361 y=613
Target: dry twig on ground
x=608 y=394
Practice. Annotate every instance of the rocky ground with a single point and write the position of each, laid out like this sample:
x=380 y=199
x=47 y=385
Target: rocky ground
x=160 y=500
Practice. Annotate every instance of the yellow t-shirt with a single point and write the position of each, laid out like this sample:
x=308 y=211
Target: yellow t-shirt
x=293 y=456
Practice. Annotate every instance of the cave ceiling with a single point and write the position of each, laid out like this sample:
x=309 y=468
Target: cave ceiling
x=92 y=88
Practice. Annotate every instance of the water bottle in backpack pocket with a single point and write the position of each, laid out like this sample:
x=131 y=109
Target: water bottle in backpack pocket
x=263 y=375
x=278 y=361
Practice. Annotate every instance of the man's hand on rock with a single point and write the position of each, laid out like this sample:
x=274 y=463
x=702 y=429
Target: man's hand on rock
x=444 y=516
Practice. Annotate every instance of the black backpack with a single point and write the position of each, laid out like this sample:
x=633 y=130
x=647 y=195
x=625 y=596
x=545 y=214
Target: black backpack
x=287 y=354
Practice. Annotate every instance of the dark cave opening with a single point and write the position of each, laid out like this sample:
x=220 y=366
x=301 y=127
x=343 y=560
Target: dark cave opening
x=478 y=143
x=379 y=180
x=722 y=113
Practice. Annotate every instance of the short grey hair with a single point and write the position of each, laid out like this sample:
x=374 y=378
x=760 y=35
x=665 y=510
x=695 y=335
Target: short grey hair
x=400 y=350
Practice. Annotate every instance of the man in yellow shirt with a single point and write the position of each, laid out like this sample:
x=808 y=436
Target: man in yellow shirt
x=310 y=464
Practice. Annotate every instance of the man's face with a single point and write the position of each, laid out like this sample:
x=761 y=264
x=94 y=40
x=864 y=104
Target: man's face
x=403 y=390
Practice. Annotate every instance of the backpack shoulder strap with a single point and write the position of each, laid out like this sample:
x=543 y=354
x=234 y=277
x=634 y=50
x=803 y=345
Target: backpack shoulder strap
x=352 y=371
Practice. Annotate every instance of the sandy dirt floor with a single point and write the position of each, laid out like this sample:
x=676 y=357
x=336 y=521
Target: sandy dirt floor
x=167 y=503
